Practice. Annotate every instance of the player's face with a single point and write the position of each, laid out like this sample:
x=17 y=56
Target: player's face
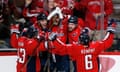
x=56 y=20
x=43 y=23
x=71 y=26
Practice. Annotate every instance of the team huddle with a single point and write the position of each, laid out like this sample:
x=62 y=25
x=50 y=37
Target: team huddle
x=53 y=36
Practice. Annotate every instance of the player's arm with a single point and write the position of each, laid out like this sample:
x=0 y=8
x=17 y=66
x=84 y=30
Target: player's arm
x=61 y=48
x=108 y=40
x=14 y=35
x=27 y=12
x=14 y=40
x=58 y=47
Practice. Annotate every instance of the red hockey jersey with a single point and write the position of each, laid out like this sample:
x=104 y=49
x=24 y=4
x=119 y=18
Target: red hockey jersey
x=73 y=36
x=27 y=47
x=86 y=58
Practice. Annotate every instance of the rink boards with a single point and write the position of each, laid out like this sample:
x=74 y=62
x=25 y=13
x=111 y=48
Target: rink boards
x=109 y=61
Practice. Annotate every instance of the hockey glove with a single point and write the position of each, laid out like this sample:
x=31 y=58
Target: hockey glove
x=111 y=26
x=52 y=36
x=15 y=28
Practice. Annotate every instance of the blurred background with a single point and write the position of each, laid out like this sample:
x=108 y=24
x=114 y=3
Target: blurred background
x=116 y=15
x=12 y=15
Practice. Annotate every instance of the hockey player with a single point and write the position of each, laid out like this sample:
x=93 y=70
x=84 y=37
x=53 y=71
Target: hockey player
x=75 y=26
x=59 y=26
x=42 y=23
x=27 y=44
x=86 y=52
x=42 y=26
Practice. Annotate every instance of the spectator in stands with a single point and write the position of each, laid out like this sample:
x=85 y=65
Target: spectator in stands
x=97 y=13
x=32 y=9
x=4 y=36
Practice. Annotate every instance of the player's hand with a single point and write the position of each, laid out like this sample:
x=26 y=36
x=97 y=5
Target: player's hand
x=111 y=30
x=41 y=36
x=52 y=36
x=85 y=30
x=14 y=28
x=111 y=26
x=111 y=23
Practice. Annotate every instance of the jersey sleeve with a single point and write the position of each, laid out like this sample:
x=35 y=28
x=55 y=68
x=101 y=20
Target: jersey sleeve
x=107 y=41
x=65 y=49
x=14 y=40
x=59 y=48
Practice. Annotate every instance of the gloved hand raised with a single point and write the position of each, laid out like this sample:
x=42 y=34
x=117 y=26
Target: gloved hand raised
x=14 y=28
x=41 y=36
x=111 y=26
x=85 y=30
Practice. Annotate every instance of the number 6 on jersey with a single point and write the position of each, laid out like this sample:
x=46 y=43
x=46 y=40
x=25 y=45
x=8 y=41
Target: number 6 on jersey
x=88 y=62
